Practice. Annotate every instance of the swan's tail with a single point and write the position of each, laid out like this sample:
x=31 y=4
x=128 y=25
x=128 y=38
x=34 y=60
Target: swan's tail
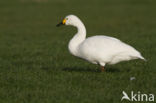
x=141 y=57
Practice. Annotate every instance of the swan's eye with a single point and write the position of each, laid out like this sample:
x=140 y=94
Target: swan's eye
x=66 y=18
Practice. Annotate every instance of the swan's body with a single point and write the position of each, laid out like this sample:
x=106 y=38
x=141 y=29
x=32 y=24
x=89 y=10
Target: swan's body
x=98 y=49
x=111 y=51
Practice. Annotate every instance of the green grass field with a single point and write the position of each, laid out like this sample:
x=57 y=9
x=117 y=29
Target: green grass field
x=36 y=67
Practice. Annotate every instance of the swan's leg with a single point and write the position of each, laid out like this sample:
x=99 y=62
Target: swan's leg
x=102 y=69
x=102 y=66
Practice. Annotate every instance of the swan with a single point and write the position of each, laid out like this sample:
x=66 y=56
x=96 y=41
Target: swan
x=98 y=49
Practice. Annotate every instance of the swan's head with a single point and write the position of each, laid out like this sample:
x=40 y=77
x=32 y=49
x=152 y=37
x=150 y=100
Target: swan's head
x=70 y=20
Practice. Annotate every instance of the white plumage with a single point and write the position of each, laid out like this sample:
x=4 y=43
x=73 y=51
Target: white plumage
x=98 y=49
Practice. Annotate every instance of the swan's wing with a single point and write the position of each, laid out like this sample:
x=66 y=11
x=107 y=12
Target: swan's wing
x=106 y=49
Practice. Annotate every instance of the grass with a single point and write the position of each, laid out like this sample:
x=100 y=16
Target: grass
x=36 y=67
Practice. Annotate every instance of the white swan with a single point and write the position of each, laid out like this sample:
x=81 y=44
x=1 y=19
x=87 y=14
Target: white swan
x=98 y=49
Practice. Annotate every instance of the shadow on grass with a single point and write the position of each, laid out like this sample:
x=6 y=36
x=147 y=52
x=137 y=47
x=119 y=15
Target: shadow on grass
x=113 y=70
x=77 y=69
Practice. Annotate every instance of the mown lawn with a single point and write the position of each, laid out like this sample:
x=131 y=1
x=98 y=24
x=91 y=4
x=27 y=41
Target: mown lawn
x=36 y=67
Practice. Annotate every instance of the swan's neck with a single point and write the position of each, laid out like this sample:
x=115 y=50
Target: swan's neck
x=78 y=38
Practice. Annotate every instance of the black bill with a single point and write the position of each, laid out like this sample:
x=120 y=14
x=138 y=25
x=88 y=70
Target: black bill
x=59 y=24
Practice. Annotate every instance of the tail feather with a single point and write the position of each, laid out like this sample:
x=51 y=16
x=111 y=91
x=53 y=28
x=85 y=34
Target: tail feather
x=141 y=57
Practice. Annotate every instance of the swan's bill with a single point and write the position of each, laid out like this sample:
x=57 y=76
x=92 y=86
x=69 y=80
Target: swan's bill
x=61 y=23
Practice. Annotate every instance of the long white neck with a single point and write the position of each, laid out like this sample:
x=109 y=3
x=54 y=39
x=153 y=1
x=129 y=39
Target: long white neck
x=78 y=38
